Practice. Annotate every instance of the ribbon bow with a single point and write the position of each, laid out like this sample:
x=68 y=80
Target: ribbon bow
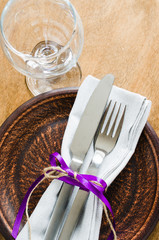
x=85 y=182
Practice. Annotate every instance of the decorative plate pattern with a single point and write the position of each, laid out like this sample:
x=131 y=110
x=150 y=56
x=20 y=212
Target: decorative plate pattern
x=36 y=129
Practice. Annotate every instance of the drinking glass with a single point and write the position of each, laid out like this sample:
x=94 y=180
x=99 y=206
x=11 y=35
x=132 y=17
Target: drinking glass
x=43 y=40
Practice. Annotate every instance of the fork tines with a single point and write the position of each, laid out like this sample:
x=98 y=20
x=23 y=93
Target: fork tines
x=113 y=118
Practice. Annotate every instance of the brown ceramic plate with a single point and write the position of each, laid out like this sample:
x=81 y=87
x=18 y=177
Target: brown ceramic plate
x=35 y=130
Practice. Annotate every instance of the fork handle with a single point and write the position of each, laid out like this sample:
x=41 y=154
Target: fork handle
x=70 y=221
x=96 y=162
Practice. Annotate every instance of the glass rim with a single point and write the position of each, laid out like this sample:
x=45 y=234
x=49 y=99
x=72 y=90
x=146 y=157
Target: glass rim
x=29 y=56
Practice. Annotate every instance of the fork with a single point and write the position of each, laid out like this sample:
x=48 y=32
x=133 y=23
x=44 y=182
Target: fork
x=105 y=141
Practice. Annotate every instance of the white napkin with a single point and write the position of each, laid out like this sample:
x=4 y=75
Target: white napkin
x=137 y=111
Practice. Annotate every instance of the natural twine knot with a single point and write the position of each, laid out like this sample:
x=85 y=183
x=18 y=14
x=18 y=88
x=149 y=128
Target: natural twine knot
x=64 y=173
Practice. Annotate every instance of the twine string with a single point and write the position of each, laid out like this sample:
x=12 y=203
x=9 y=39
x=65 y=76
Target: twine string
x=64 y=173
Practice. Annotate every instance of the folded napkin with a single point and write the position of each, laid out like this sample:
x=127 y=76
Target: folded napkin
x=137 y=111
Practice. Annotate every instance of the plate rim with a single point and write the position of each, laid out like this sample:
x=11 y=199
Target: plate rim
x=41 y=97
x=150 y=225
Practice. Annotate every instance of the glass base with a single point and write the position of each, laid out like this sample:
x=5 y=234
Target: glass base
x=70 y=79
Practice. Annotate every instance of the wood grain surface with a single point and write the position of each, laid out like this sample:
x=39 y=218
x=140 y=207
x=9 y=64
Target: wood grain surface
x=121 y=37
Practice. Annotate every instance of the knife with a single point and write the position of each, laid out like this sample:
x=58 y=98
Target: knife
x=79 y=147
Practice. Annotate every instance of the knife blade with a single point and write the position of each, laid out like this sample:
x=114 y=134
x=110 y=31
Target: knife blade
x=79 y=147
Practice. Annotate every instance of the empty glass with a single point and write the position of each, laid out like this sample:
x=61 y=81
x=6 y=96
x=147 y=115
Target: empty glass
x=43 y=40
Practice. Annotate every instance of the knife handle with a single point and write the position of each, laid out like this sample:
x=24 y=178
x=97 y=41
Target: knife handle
x=74 y=214
x=58 y=211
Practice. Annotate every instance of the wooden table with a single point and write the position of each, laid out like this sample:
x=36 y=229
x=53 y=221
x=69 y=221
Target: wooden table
x=121 y=37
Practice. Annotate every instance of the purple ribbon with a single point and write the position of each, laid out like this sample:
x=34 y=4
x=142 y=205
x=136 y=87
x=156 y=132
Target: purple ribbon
x=84 y=182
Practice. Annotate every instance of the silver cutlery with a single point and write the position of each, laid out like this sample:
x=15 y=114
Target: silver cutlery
x=79 y=147
x=107 y=135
